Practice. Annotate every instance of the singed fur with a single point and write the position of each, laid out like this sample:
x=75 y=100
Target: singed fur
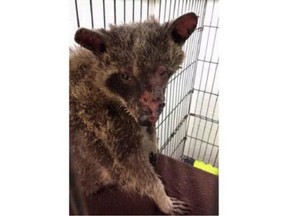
x=108 y=145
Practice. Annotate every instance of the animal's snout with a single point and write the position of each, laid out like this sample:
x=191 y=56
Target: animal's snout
x=154 y=103
x=161 y=107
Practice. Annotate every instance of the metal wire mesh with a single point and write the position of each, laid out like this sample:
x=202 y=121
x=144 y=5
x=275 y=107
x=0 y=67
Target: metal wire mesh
x=188 y=126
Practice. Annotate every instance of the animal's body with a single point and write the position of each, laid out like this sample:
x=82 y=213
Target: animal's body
x=117 y=86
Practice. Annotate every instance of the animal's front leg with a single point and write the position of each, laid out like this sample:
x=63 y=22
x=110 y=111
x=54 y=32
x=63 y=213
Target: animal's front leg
x=138 y=175
x=149 y=144
x=153 y=159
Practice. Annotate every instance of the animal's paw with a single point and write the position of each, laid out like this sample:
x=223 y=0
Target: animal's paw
x=179 y=207
x=173 y=206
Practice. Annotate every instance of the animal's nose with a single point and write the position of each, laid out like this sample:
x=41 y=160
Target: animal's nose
x=160 y=107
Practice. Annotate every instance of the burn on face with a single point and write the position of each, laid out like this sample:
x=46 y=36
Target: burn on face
x=152 y=98
x=145 y=94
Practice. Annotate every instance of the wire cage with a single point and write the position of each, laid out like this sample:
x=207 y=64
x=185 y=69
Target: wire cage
x=188 y=125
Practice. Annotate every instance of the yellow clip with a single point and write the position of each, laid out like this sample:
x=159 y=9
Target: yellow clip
x=206 y=167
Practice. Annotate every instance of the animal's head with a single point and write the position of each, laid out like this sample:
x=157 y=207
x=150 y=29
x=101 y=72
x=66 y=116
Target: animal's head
x=136 y=61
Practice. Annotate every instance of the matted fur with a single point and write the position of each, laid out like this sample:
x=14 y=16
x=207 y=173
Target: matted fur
x=107 y=142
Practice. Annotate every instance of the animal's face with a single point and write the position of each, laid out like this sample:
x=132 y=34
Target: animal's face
x=137 y=60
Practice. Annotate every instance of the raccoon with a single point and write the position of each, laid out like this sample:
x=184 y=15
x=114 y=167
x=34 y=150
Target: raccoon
x=117 y=81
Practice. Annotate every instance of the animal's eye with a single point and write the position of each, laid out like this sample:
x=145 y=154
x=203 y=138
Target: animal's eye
x=125 y=76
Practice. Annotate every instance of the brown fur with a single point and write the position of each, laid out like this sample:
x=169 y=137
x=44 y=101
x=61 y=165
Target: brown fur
x=117 y=85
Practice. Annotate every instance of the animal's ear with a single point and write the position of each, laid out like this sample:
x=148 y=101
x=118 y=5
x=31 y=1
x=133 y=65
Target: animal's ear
x=90 y=40
x=183 y=27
